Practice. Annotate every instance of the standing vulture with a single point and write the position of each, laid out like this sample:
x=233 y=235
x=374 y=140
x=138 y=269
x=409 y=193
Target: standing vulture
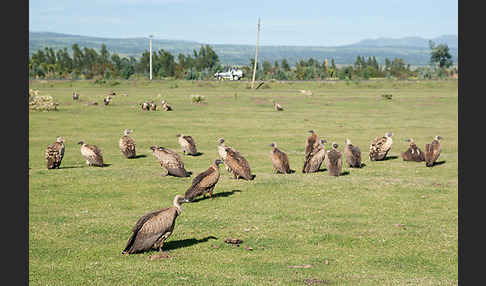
x=236 y=164
x=413 y=152
x=165 y=106
x=432 y=151
x=107 y=100
x=277 y=106
x=204 y=183
x=315 y=159
x=92 y=154
x=380 y=147
x=187 y=143
x=152 y=229
x=311 y=143
x=55 y=153
x=127 y=145
x=170 y=161
x=280 y=160
x=146 y=106
x=153 y=106
x=75 y=96
x=353 y=155
x=333 y=161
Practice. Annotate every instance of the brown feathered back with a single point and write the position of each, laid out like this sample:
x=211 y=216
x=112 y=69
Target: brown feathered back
x=380 y=147
x=54 y=155
x=315 y=159
x=333 y=162
x=238 y=164
x=413 y=153
x=311 y=143
x=432 y=152
x=353 y=155
x=92 y=154
x=203 y=183
x=170 y=160
x=127 y=146
x=280 y=161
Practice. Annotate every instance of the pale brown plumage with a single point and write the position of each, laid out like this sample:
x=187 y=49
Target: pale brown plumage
x=75 y=96
x=334 y=161
x=127 y=145
x=311 y=143
x=146 y=106
x=187 y=143
x=205 y=182
x=170 y=161
x=55 y=153
x=234 y=161
x=413 y=152
x=353 y=155
x=153 y=106
x=315 y=159
x=432 y=151
x=165 y=106
x=152 y=229
x=280 y=160
x=92 y=154
x=107 y=100
x=277 y=106
x=380 y=147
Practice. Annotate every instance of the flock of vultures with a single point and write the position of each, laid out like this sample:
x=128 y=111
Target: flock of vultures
x=152 y=229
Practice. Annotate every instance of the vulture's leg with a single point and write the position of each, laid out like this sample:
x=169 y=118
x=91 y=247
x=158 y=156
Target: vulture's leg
x=211 y=191
x=165 y=171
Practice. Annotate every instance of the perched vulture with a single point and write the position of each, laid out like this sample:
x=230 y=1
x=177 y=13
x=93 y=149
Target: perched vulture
x=315 y=159
x=280 y=160
x=236 y=164
x=127 y=145
x=333 y=161
x=170 y=161
x=153 y=106
x=187 y=143
x=353 y=155
x=311 y=143
x=432 y=151
x=380 y=147
x=413 y=152
x=204 y=183
x=146 y=106
x=152 y=229
x=75 y=96
x=277 y=106
x=165 y=106
x=107 y=100
x=55 y=153
x=92 y=154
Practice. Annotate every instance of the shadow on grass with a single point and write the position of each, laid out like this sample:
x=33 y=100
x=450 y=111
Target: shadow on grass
x=217 y=195
x=197 y=154
x=439 y=163
x=390 y=158
x=171 y=245
x=72 y=167
x=106 y=165
x=345 y=173
x=139 y=156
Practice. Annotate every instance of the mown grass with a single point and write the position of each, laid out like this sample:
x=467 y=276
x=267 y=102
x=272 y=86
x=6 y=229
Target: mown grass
x=80 y=217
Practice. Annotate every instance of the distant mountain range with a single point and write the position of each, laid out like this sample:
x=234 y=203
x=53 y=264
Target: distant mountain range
x=413 y=50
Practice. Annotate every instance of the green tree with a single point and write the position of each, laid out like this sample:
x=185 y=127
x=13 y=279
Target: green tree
x=439 y=54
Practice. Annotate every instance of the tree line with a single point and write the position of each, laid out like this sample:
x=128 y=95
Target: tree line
x=87 y=63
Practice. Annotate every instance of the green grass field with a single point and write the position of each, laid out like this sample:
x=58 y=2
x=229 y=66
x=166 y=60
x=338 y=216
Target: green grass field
x=80 y=217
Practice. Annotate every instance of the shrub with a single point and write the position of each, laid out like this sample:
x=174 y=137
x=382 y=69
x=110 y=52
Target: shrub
x=41 y=102
x=196 y=98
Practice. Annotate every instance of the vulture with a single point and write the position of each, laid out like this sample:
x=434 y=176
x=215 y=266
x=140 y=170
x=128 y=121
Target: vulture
x=153 y=106
x=92 y=154
x=187 y=143
x=55 y=153
x=127 y=145
x=152 y=229
x=112 y=93
x=316 y=158
x=311 y=143
x=92 y=103
x=75 y=96
x=170 y=161
x=432 y=151
x=146 y=106
x=333 y=161
x=204 y=183
x=380 y=147
x=413 y=152
x=107 y=100
x=280 y=160
x=277 y=106
x=165 y=106
x=353 y=155
x=235 y=163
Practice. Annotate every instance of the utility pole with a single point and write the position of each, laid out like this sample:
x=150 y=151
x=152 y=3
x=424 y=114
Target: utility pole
x=150 y=57
x=256 y=54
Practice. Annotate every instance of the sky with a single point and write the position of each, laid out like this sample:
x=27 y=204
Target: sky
x=300 y=23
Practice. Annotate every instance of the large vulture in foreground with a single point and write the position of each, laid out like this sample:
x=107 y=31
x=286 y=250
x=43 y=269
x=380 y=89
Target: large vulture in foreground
x=315 y=158
x=333 y=161
x=432 y=151
x=280 y=160
x=170 y=161
x=92 y=154
x=204 y=183
x=235 y=163
x=187 y=143
x=413 y=152
x=380 y=146
x=55 y=153
x=311 y=143
x=127 y=145
x=152 y=229
x=353 y=155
